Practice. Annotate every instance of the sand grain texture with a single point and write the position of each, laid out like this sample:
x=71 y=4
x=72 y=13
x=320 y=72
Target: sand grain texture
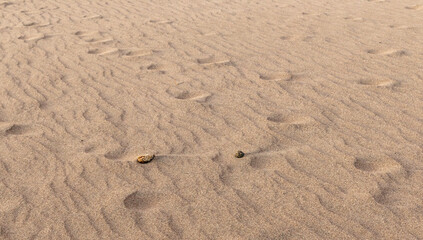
x=324 y=97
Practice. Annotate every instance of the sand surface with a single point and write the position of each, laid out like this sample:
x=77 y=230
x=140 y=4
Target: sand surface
x=325 y=98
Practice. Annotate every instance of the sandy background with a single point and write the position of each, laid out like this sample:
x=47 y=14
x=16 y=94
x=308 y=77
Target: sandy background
x=325 y=98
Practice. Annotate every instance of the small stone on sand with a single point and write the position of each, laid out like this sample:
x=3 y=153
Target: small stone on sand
x=239 y=154
x=145 y=158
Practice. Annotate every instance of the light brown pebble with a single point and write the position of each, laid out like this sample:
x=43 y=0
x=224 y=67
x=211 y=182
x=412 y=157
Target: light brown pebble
x=145 y=158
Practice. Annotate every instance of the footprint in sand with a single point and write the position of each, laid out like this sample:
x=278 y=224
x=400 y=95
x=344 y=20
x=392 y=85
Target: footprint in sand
x=161 y=21
x=292 y=125
x=377 y=82
x=280 y=76
x=86 y=33
x=103 y=52
x=356 y=19
x=90 y=17
x=125 y=53
x=93 y=37
x=299 y=122
x=5 y=4
x=285 y=37
x=89 y=149
x=208 y=34
x=182 y=93
x=115 y=154
x=135 y=52
x=34 y=38
x=142 y=200
x=266 y=162
x=385 y=196
x=14 y=129
x=35 y=24
x=377 y=164
x=99 y=40
x=9 y=202
x=395 y=197
x=231 y=176
x=270 y=160
x=29 y=24
x=415 y=7
x=197 y=96
x=154 y=68
x=213 y=61
x=400 y=26
x=389 y=52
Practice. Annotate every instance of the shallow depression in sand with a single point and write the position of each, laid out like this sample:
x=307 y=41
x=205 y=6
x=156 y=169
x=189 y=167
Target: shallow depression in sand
x=280 y=76
x=377 y=82
x=290 y=119
x=142 y=200
x=376 y=164
x=198 y=96
x=14 y=129
x=264 y=162
x=213 y=61
x=388 y=52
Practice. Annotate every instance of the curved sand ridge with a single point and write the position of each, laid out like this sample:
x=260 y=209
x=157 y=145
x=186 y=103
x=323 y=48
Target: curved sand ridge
x=323 y=97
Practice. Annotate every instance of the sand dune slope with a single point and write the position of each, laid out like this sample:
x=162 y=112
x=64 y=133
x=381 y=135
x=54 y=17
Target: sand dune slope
x=325 y=98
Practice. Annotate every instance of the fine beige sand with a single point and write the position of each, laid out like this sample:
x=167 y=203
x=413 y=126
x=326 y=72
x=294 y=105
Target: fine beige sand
x=324 y=97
